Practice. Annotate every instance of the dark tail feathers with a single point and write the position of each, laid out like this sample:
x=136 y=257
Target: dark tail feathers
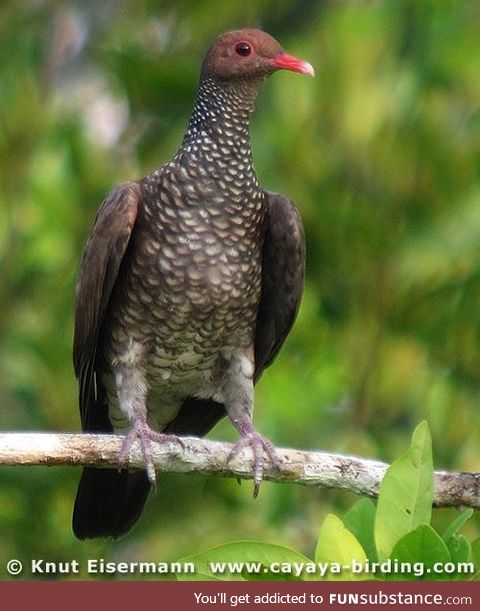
x=108 y=502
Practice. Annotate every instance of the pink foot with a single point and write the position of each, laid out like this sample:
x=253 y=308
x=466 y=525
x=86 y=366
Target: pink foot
x=259 y=445
x=145 y=435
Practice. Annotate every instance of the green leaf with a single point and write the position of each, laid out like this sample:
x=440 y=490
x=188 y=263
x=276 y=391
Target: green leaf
x=459 y=548
x=406 y=493
x=457 y=523
x=415 y=555
x=476 y=558
x=338 y=548
x=249 y=561
x=360 y=521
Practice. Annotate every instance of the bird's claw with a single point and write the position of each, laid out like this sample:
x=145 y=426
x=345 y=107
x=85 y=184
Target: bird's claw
x=145 y=435
x=259 y=445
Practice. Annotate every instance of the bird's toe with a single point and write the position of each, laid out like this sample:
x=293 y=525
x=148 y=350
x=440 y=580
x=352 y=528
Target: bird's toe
x=146 y=436
x=259 y=446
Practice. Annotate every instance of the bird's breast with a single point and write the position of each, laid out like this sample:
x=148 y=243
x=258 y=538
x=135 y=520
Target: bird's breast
x=189 y=292
x=191 y=283
x=200 y=256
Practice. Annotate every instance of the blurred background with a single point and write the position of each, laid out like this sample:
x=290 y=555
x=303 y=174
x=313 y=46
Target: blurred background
x=382 y=154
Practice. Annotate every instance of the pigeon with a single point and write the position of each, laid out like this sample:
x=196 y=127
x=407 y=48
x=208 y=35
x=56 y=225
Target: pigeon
x=190 y=281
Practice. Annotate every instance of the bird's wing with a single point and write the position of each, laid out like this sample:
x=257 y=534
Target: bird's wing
x=104 y=251
x=283 y=268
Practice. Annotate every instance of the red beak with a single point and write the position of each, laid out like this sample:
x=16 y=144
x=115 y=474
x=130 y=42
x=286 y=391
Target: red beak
x=284 y=61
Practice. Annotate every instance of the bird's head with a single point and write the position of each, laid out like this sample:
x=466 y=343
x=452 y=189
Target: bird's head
x=249 y=54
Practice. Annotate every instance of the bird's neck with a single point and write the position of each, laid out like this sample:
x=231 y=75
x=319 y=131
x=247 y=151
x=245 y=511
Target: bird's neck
x=221 y=115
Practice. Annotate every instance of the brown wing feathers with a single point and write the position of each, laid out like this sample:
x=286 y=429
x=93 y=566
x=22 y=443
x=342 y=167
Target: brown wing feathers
x=283 y=268
x=99 y=269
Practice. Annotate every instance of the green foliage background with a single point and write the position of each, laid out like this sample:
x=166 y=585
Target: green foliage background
x=382 y=154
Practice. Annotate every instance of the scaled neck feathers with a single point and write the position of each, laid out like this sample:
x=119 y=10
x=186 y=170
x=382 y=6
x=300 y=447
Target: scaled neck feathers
x=221 y=114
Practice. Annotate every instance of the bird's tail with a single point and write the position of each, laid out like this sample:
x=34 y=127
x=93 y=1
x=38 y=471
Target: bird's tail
x=108 y=502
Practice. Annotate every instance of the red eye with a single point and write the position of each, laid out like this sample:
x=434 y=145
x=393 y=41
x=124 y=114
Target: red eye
x=243 y=49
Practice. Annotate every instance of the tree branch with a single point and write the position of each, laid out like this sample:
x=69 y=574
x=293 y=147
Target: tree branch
x=202 y=456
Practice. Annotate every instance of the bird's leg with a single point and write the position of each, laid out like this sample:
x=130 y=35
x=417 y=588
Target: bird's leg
x=132 y=395
x=141 y=431
x=258 y=444
x=238 y=396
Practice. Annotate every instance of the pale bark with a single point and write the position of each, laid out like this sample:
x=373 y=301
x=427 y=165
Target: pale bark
x=202 y=456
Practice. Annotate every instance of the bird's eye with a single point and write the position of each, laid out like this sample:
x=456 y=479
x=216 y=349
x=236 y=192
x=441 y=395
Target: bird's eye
x=243 y=49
